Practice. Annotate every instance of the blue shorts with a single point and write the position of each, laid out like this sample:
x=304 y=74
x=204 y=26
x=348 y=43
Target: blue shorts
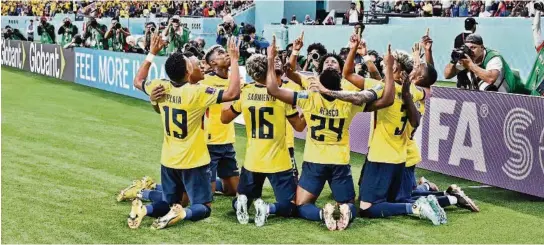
x=380 y=182
x=223 y=161
x=283 y=184
x=408 y=185
x=194 y=181
x=315 y=175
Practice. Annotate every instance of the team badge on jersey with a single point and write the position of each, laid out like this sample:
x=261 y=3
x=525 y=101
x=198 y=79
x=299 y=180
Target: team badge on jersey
x=210 y=90
x=302 y=95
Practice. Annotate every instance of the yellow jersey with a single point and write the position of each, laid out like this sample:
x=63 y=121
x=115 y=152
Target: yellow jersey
x=182 y=109
x=413 y=154
x=289 y=131
x=218 y=133
x=388 y=141
x=266 y=150
x=327 y=137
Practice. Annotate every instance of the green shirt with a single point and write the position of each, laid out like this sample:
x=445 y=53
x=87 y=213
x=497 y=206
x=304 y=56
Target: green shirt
x=537 y=74
x=176 y=40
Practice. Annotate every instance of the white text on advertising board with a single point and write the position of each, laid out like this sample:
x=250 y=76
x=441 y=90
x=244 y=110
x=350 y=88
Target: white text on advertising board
x=113 y=71
x=515 y=131
x=11 y=56
x=45 y=63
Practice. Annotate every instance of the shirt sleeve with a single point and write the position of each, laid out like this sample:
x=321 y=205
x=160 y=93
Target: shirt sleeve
x=494 y=64
x=236 y=107
x=149 y=85
x=375 y=86
x=300 y=98
x=290 y=111
x=209 y=95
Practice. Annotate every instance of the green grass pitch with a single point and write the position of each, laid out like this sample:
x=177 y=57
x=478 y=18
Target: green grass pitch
x=68 y=149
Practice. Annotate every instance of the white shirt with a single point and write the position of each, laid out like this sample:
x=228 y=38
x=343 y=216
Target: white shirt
x=353 y=16
x=30 y=28
x=530 y=6
x=484 y=14
x=446 y=4
x=494 y=63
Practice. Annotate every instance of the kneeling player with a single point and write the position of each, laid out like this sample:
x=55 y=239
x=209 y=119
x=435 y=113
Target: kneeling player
x=185 y=157
x=267 y=155
x=326 y=154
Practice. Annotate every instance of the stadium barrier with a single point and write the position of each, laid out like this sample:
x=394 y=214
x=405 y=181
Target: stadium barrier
x=45 y=59
x=492 y=138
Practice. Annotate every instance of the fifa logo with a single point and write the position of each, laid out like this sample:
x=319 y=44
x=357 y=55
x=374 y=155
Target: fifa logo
x=520 y=164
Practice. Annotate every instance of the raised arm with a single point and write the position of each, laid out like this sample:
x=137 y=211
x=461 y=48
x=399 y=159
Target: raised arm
x=427 y=44
x=348 y=71
x=372 y=69
x=388 y=95
x=291 y=71
x=285 y=95
x=227 y=115
x=411 y=111
x=233 y=92
x=156 y=45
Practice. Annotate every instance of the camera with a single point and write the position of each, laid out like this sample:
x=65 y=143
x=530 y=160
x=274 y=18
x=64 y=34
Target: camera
x=314 y=56
x=117 y=26
x=152 y=29
x=459 y=53
x=539 y=6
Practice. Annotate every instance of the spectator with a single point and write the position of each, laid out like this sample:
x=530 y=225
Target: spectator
x=176 y=35
x=117 y=36
x=67 y=32
x=352 y=14
x=46 y=31
x=226 y=29
x=308 y=20
x=30 y=31
x=455 y=10
x=446 y=8
x=484 y=13
x=428 y=9
x=294 y=20
x=94 y=34
x=463 y=9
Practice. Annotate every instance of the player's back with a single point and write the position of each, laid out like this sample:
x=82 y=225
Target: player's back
x=218 y=133
x=327 y=138
x=290 y=133
x=265 y=117
x=388 y=139
x=182 y=110
x=413 y=156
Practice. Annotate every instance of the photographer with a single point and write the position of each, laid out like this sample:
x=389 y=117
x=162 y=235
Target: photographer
x=94 y=35
x=315 y=51
x=76 y=41
x=470 y=28
x=150 y=28
x=176 y=35
x=535 y=82
x=225 y=30
x=117 y=36
x=67 y=32
x=46 y=32
x=251 y=44
x=487 y=70
x=13 y=34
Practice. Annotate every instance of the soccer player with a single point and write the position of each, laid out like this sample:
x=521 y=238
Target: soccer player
x=423 y=77
x=381 y=175
x=327 y=151
x=146 y=188
x=221 y=137
x=267 y=155
x=185 y=157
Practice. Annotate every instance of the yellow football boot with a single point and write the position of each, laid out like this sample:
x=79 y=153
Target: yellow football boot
x=177 y=213
x=137 y=213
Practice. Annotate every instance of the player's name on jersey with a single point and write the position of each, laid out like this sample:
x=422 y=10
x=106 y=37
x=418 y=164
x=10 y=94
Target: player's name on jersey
x=260 y=97
x=176 y=99
x=329 y=113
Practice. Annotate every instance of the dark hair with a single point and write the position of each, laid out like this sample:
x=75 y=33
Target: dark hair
x=321 y=50
x=430 y=76
x=323 y=58
x=188 y=54
x=284 y=21
x=176 y=67
x=289 y=46
x=116 y=18
x=249 y=29
x=209 y=54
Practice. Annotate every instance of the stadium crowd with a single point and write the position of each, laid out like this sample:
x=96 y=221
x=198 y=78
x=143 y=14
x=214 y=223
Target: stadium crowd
x=462 y=8
x=126 y=9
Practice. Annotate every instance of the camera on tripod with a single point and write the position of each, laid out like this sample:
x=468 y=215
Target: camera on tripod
x=459 y=53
